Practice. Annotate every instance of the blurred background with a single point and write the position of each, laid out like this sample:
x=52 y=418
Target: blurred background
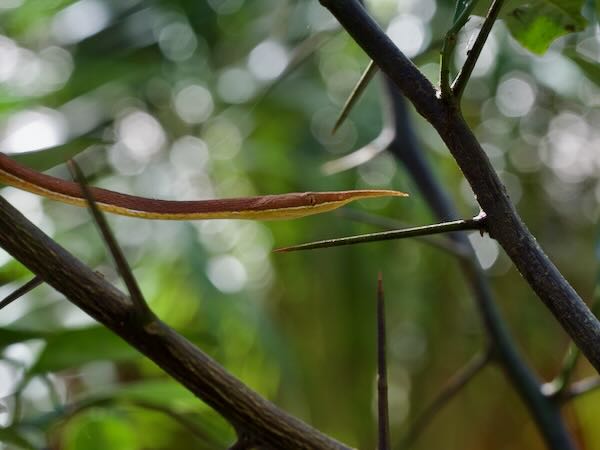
x=186 y=99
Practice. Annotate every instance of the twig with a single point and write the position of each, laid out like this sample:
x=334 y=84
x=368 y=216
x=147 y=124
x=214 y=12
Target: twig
x=359 y=88
x=452 y=387
x=476 y=223
x=450 y=44
x=459 y=84
x=383 y=416
x=453 y=247
x=133 y=288
x=18 y=293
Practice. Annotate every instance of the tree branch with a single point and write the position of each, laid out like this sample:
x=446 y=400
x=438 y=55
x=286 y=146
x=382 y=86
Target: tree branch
x=504 y=223
x=545 y=413
x=269 y=426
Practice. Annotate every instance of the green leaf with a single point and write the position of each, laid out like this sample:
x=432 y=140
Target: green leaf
x=536 y=24
x=73 y=348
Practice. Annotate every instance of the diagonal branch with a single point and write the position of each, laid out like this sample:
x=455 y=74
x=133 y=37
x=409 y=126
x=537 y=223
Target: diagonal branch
x=504 y=224
x=383 y=416
x=462 y=78
x=18 y=293
x=269 y=426
x=452 y=387
x=122 y=266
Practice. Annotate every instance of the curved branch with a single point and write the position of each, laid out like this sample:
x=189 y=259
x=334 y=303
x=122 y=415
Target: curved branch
x=505 y=225
x=268 y=425
x=545 y=413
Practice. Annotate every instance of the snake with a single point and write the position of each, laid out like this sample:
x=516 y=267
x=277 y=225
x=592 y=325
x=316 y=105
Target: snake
x=263 y=207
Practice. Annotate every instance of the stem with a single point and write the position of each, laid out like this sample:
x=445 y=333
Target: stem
x=133 y=288
x=360 y=87
x=462 y=78
x=448 y=48
x=477 y=223
x=382 y=385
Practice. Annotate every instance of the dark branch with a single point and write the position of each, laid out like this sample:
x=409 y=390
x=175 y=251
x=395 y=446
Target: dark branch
x=503 y=224
x=383 y=416
x=477 y=223
x=405 y=147
x=456 y=249
x=244 y=409
x=122 y=266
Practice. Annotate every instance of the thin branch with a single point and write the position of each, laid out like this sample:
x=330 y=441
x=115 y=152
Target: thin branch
x=450 y=44
x=18 y=293
x=243 y=408
x=452 y=247
x=383 y=416
x=462 y=78
x=356 y=93
x=133 y=288
x=561 y=382
x=452 y=387
x=476 y=223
